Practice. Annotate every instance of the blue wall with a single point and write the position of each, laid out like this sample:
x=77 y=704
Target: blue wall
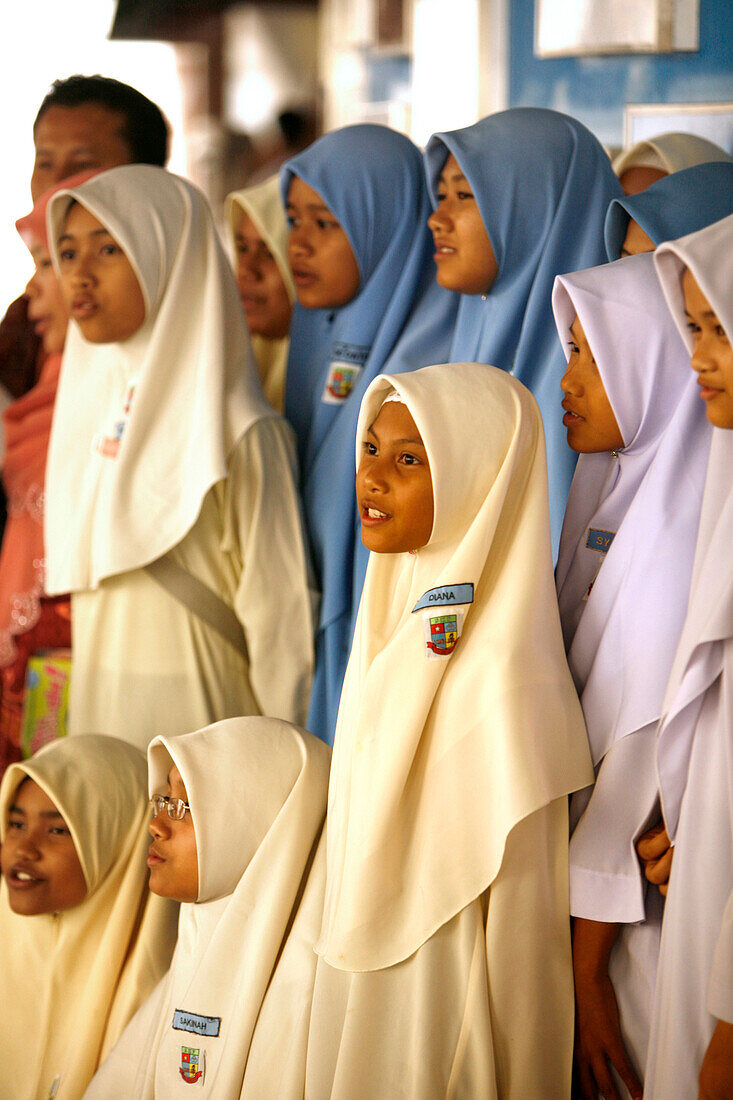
x=595 y=89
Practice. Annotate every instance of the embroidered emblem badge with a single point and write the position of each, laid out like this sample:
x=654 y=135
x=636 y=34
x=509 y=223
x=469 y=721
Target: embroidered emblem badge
x=109 y=445
x=340 y=382
x=192 y=1066
x=441 y=634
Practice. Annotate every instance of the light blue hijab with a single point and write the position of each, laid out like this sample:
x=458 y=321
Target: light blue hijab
x=674 y=206
x=543 y=183
x=372 y=180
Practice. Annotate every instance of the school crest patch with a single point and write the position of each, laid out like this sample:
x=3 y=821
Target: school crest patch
x=340 y=382
x=441 y=634
x=109 y=445
x=192 y=1064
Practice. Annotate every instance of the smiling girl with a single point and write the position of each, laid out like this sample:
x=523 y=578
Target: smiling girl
x=172 y=514
x=83 y=942
x=359 y=250
x=440 y=832
x=518 y=198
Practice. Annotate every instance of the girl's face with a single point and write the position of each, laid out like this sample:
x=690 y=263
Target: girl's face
x=463 y=252
x=320 y=255
x=263 y=293
x=173 y=858
x=98 y=283
x=712 y=355
x=589 y=418
x=394 y=486
x=46 y=305
x=636 y=240
x=38 y=858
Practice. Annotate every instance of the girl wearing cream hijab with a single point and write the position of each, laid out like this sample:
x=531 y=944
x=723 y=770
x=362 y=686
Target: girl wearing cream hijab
x=82 y=940
x=256 y=221
x=172 y=515
x=650 y=160
x=244 y=858
x=444 y=957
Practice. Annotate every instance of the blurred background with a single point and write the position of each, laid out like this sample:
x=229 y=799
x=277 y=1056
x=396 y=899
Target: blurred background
x=246 y=84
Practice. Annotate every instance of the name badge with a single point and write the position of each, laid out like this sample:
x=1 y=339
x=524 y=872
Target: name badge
x=200 y=1025
x=599 y=540
x=340 y=382
x=447 y=595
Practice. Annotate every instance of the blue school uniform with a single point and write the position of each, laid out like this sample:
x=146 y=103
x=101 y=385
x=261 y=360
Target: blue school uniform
x=371 y=179
x=543 y=183
x=674 y=206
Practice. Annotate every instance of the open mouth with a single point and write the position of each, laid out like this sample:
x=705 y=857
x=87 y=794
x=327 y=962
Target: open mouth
x=20 y=878
x=371 y=516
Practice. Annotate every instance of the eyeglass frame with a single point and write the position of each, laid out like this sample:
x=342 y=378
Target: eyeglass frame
x=177 y=805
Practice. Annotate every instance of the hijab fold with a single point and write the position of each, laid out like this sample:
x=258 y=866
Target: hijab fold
x=704 y=649
x=371 y=179
x=543 y=183
x=646 y=497
x=436 y=760
x=262 y=205
x=257 y=791
x=675 y=206
x=178 y=394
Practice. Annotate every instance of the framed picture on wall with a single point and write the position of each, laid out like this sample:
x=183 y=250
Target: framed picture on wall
x=713 y=121
x=568 y=28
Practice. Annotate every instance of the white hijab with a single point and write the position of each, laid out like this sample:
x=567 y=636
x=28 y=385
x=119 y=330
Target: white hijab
x=257 y=788
x=669 y=152
x=196 y=386
x=70 y=981
x=263 y=204
x=436 y=760
x=647 y=496
x=704 y=649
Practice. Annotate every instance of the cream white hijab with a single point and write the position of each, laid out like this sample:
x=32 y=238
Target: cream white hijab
x=648 y=496
x=436 y=760
x=70 y=981
x=705 y=647
x=196 y=386
x=257 y=790
x=263 y=204
x=669 y=152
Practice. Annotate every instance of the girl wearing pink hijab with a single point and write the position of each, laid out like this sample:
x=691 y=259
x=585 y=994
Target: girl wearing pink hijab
x=30 y=621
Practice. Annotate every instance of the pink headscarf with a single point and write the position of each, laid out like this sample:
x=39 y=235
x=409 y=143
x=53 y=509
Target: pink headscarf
x=27 y=424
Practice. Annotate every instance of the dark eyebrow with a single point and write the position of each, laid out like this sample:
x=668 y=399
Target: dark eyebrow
x=314 y=206
x=704 y=313
x=411 y=442
x=94 y=233
x=44 y=813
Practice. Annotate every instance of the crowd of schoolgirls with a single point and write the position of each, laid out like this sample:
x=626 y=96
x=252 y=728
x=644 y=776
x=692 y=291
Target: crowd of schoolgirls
x=325 y=491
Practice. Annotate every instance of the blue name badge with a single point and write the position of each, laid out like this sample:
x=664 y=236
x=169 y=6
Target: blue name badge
x=600 y=540
x=199 y=1025
x=447 y=594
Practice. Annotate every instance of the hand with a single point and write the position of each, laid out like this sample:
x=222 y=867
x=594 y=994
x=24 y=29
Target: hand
x=716 y=1072
x=599 y=1043
x=656 y=852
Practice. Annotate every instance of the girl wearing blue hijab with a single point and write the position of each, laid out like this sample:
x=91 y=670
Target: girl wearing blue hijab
x=541 y=183
x=681 y=203
x=357 y=316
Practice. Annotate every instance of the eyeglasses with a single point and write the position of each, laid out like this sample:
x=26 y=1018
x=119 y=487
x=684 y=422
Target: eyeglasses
x=176 y=806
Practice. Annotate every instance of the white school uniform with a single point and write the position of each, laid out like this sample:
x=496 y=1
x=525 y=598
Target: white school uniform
x=444 y=966
x=165 y=445
x=695 y=749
